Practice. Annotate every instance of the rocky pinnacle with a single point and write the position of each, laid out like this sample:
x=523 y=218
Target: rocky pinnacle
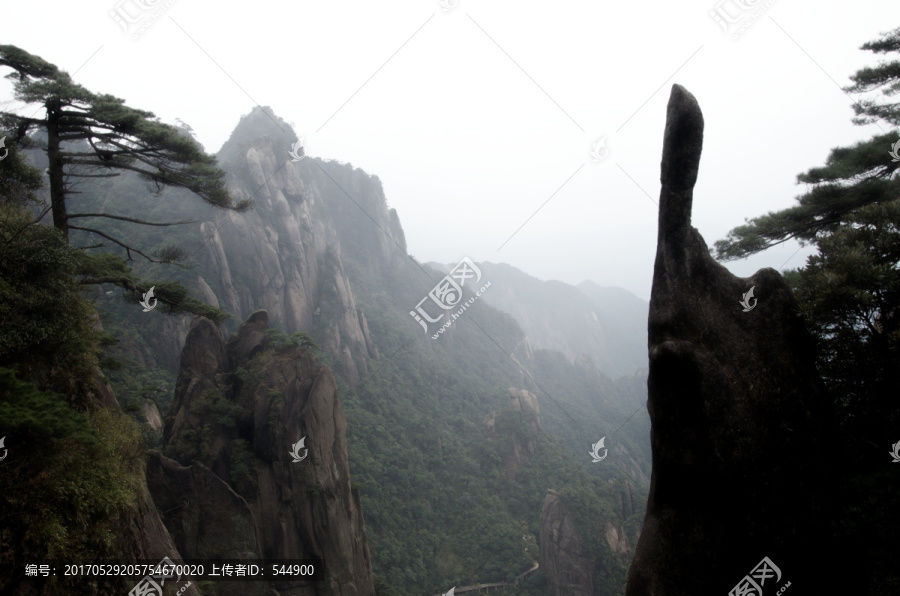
x=740 y=421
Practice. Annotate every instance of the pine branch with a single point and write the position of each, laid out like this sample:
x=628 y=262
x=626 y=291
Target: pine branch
x=127 y=248
x=125 y=282
x=131 y=219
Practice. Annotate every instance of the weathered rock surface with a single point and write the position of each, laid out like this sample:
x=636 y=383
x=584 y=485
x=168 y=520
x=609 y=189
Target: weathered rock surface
x=206 y=518
x=249 y=402
x=740 y=423
x=285 y=254
x=525 y=404
x=569 y=565
x=624 y=493
x=144 y=537
x=564 y=559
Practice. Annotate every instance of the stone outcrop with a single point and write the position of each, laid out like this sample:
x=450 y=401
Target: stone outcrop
x=239 y=408
x=570 y=566
x=525 y=404
x=564 y=558
x=194 y=503
x=740 y=423
x=285 y=250
x=625 y=498
x=143 y=537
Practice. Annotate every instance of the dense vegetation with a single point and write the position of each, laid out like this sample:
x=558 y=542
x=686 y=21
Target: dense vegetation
x=437 y=508
x=73 y=467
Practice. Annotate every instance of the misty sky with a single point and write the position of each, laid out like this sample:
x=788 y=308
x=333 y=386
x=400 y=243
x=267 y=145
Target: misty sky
x=480 y=118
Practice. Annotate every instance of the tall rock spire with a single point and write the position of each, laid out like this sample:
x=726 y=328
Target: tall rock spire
x=741 y=423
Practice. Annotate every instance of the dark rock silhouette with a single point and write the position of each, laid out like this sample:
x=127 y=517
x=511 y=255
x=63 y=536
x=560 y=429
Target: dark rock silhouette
x=742 y=429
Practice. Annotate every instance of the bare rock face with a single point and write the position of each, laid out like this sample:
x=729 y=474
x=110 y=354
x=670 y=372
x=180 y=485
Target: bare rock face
x=564 y=559
x=240 y=407
x=144 y=537
x=285 y=254
x=740 y=422
x=194 y=503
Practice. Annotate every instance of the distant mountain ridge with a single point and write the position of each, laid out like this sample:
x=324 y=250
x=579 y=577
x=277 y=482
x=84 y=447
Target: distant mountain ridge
x=608 y=324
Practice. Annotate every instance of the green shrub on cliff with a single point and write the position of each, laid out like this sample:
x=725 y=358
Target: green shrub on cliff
x=72 y=468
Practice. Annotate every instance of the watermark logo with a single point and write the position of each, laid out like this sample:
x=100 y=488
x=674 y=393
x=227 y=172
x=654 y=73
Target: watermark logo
x=139 y=14
x=6 y=151
x=599 y=151
x=740 y=17
x=447 y=6
x=895 y=453
x=146 y=301
x=447 y=295
x=745 y=300
x=296 y=152
x=295 y=450
x=893 y=152
x=595 y=451
x=149 y=586
x=752 y=584
x=2 y=446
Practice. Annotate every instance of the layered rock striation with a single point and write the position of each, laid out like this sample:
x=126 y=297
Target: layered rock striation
x=564 y=558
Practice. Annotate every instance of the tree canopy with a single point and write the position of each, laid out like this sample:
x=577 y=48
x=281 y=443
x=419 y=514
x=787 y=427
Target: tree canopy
x=853 y=177
x=88 y=136
x=91 y=135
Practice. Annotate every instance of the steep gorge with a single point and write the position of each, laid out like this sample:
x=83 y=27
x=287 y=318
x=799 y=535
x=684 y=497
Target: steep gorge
x=322 y=253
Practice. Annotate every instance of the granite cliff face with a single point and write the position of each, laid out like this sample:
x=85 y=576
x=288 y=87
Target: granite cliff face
x=564 y=559
x=739 y=416
x=285 y=254
x=568 y=565
x=193 y=503
x=239 y=408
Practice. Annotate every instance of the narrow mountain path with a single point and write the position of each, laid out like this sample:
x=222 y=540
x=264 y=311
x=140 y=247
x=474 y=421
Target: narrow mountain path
x=494 y=585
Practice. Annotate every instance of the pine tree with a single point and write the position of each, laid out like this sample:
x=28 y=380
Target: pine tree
x=849 y=292
x=87 y=135
x=852 y=178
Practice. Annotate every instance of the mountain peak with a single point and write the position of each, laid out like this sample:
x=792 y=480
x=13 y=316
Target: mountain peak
x=261 y=122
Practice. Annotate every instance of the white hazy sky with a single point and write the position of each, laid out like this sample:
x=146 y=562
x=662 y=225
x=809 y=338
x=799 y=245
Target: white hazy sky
x=480 y=118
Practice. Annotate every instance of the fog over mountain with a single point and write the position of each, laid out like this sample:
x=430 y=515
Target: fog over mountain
x=353 y=299
x=607 y=324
